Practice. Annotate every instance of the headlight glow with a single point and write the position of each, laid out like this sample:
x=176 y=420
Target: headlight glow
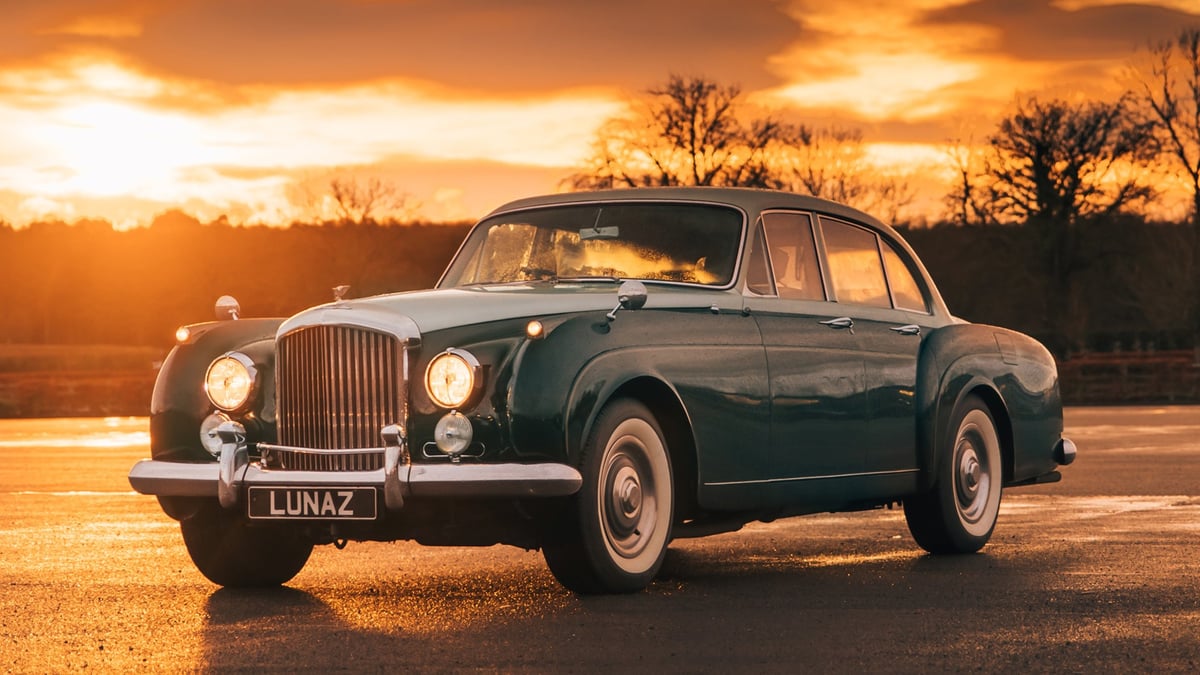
x=452 y=378
x=230 y=381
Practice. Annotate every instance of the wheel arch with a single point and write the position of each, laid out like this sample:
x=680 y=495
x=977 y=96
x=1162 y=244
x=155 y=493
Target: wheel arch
x=673 y=419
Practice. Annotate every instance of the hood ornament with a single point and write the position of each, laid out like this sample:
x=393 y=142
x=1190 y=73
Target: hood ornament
x=339 y=293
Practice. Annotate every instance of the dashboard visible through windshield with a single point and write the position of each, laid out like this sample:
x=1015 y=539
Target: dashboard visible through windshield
x=652 y=241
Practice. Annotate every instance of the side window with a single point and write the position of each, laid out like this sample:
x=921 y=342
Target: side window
x=906 y=293
x=793 y=254
x=758 y=274
x=854 y=264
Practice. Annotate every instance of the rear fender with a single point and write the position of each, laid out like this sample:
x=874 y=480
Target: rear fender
x=955 y=361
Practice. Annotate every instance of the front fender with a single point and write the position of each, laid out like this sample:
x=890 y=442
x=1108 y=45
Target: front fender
x=179 y=403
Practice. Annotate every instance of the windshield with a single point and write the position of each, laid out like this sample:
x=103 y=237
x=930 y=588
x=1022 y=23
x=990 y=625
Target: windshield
x=687 y=243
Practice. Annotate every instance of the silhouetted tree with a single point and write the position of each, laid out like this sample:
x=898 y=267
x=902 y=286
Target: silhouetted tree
x=694 y=131
x=1170 y=90
x=1055 y=165
x=367 y=199
x=967 y=199
x=688 y=132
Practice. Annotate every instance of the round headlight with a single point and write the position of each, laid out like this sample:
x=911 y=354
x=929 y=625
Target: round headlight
x=230 y=381
x=452 y=378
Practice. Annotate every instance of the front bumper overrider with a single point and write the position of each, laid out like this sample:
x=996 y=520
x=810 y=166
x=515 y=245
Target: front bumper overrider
x=228 y=478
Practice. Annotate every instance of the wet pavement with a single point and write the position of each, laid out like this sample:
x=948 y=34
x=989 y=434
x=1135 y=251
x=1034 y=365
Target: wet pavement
x=1098 y=573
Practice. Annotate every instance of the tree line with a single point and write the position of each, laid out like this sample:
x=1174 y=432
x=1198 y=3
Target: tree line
x=87 y=283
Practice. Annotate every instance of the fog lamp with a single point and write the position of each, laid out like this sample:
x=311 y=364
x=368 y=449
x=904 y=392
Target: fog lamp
x=453 y=433
x=208 y=433
x=230 y=380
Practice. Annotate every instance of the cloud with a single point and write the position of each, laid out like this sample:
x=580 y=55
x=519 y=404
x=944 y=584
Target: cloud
x=473 y=45
x=1044 y=30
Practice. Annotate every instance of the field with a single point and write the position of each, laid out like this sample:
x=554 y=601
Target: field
x=77 y=380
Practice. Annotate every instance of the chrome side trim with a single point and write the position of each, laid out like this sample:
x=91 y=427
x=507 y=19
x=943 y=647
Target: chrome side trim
x=771 y=481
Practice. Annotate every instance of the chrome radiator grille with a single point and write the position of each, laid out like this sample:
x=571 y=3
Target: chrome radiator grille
x=336 y=387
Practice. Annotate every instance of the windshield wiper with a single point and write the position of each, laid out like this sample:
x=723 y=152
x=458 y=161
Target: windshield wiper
x=603 y=279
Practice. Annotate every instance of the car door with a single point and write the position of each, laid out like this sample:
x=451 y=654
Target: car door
x=879 y=291
x=816 y=374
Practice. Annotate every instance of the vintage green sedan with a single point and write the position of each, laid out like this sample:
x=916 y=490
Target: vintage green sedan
x=595 y=375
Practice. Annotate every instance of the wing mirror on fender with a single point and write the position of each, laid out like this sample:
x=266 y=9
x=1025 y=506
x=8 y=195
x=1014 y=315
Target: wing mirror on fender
x=227 y=308
x=631 y=295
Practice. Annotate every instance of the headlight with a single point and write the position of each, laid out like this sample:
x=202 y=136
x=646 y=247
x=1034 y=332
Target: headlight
x=453 y=433
x=452 y=378
x=230 y=380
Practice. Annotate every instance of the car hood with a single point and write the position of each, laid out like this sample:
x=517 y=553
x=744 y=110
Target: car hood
x=410 y=314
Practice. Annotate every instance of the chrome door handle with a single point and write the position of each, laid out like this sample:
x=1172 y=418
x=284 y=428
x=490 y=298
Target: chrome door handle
x=840 y=323
x=910 y=329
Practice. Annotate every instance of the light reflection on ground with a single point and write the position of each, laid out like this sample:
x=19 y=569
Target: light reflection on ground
x=109 y=432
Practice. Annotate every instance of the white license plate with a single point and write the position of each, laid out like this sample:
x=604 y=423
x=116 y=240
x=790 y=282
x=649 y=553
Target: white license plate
x=310 y=503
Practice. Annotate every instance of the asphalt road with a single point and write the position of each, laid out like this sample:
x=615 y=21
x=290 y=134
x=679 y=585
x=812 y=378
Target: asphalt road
x=1098 y=573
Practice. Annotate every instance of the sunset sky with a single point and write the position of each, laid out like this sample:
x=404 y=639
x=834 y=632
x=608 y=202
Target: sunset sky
x=122 y=109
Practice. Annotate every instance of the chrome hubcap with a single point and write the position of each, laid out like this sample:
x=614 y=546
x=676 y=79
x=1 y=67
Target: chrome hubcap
x=627 y=498
x=972 y=483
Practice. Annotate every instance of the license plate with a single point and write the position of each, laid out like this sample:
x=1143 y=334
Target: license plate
x=301 y=503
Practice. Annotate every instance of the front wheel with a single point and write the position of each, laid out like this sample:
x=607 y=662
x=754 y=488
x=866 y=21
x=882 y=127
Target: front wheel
x=227 y=550
x=959 y=514
x=613 y=535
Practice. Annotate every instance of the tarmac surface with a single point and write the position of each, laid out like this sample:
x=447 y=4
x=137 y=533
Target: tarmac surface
x=1098 y=573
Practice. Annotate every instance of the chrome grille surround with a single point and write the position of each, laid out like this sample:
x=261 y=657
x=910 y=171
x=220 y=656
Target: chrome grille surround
x=337 y=386
x=305 y=459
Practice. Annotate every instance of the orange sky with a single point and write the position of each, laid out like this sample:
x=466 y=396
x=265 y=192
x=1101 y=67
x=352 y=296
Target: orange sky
x=122 y=109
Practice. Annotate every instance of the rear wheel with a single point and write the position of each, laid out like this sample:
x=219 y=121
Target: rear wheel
x=613 y=534
x=959 y=514
x=227 y=550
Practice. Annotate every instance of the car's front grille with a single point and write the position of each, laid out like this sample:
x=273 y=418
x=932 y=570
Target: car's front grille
x=336 y=388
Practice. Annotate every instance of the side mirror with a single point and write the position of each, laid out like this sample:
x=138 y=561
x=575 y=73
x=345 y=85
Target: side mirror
x=631 y=295
x=227 y=308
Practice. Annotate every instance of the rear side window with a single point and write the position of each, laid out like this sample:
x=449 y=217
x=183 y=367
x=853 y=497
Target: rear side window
x=854 y=264
x=906 y=293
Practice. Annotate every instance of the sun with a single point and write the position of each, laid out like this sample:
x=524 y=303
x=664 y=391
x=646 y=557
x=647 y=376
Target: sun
x=109 y=148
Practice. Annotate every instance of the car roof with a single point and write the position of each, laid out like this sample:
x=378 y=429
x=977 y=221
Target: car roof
x=751 y=200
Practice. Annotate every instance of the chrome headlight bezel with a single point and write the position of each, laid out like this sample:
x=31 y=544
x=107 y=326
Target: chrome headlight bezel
x=453 y=379
x=232 y=390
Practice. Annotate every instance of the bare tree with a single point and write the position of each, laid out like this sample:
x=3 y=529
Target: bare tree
x=693 y=131
x=1058 y=162
x=967 y=198
x=365 y=200
x=1170 y=89
x=688 y=132
x=1054 y=165
x=832 y=163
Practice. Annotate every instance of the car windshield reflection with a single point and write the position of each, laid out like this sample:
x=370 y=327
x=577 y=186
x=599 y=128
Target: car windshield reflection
x=668 y=242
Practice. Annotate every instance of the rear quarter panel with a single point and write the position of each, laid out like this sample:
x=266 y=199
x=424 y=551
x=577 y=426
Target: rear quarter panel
x=1012 y=372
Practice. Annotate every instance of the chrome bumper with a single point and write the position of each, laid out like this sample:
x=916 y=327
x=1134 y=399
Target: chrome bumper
x=227 y=479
